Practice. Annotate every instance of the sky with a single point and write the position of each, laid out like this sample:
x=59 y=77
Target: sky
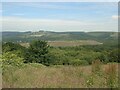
x=59 y=16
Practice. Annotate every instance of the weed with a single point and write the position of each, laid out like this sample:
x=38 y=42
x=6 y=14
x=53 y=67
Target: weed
x=89 y=81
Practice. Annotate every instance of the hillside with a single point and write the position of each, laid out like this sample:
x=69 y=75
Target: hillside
x=59 y=36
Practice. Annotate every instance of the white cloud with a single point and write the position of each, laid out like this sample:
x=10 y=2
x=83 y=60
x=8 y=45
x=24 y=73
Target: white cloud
x=115 y=16
x=23 y=24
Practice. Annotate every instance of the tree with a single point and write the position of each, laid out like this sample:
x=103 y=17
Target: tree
x=14 y=48
x=9 y=46
x=37 y=52
x=103 y=57
x=114 y=55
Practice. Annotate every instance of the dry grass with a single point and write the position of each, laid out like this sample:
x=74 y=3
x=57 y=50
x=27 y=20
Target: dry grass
x=111 y=75
x=96 y=66
x=73 y=43
x=0 y=78
x=58 y=77
x=68 y=43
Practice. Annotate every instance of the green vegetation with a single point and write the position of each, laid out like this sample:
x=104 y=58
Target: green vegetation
x=37 y=53
x=40 y=52
x=40 y=64
x=60 y=36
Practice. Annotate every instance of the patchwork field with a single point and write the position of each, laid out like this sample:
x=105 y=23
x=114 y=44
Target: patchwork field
x=73 y=43
x=39 y=76
x=68 y=43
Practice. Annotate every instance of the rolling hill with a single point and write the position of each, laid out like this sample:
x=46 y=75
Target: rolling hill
x=111 y=37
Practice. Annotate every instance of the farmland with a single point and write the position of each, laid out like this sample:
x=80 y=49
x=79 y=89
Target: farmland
x=68 y=43
x=73 y=43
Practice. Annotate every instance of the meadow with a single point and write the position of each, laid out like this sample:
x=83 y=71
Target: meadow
x=39 y=76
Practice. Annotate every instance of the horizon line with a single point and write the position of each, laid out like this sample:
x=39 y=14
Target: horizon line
x=58 y=31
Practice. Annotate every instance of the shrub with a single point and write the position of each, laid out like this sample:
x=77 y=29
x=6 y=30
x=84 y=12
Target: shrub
x=114 y=55
x=0 y=60
x=9 y=58
x=77 y=62
x=14 y=48
x=103 y=57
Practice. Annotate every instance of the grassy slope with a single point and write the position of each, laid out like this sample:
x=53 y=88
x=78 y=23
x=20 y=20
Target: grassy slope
x=39 y=76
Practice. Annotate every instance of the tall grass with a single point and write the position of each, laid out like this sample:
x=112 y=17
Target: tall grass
x=32 y=76
x=111 y=75
x=96 y=66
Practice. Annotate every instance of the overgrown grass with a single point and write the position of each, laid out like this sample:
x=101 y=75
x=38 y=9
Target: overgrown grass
x=111 y=75
x=67 y=76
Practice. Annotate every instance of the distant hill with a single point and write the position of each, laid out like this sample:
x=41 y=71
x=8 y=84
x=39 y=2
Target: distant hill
x=59 y=36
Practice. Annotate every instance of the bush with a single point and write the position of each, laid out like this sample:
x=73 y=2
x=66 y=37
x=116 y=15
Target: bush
x=9 y=58
x=14 y=48
x=78 y=62
x=103 y=57
x=0 y=60
x=114 y=55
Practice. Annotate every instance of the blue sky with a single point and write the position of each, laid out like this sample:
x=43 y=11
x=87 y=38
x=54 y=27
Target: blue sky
x=60 y=16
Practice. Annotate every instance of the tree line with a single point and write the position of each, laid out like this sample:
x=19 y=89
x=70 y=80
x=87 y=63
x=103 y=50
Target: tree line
x=40 y=52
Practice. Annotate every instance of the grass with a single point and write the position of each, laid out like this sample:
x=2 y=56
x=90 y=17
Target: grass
x=111 y=74
x=73 y=43
x=39 y=76
x=0 y=78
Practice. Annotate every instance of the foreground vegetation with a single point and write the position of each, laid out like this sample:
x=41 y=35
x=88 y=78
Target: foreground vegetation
x=41 y=52
x=40 y=76
x=44 y=66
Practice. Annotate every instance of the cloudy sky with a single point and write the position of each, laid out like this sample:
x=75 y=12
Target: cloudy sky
x=59 y=16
